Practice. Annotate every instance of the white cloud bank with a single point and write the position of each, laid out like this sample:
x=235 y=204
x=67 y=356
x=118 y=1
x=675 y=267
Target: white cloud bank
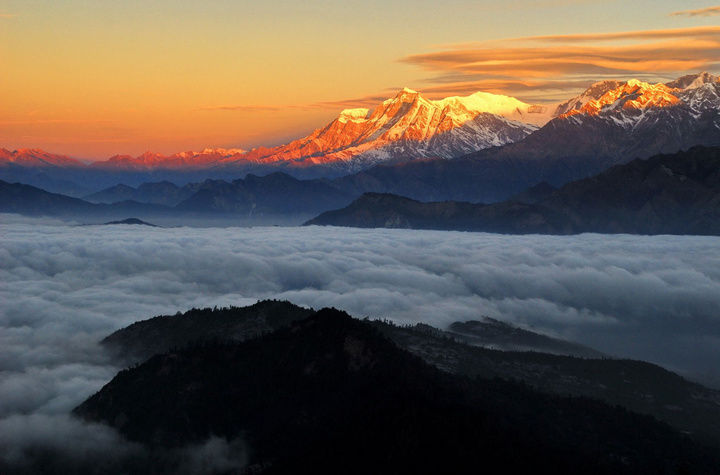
x=65 y=287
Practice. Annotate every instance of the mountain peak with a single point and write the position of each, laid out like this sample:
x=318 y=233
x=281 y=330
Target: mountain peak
x=633 y=94
x=693 y=81
x=405 y=95
x=594 y=92
x=637 y=83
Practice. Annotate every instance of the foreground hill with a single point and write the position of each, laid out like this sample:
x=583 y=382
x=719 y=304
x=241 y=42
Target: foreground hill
x=330 y=394
x=465 y=348
x=666 y=194
x=145 y=338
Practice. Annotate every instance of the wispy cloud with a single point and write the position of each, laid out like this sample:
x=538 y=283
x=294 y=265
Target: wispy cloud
x=243 y=108
x=365 y=101
x=540 y=62
x=542 y=68
x=709 y=11
x=53 y=121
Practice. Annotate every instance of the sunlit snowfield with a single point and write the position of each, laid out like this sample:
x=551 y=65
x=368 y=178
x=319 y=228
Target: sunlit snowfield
x=63 y=287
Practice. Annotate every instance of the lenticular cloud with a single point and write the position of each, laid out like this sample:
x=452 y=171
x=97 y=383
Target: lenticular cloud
x=65 y=287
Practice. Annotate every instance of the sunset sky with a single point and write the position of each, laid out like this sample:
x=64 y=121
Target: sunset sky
x=92 y=78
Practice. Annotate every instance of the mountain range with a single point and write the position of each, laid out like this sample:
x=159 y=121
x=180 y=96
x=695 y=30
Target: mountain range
x=481 y=147
x=666 y=194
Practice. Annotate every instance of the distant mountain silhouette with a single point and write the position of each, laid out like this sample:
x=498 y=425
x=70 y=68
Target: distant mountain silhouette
x=330 y=394
x=383 y=210
x=132 y=221
x=274 y=194
x=666 y=194
x=29 y=200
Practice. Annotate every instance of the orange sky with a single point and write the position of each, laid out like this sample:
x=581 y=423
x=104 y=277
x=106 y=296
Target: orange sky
x=95 y=78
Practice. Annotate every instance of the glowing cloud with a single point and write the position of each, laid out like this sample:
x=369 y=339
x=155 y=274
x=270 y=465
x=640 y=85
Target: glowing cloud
x=565 y=61
x=366 y=101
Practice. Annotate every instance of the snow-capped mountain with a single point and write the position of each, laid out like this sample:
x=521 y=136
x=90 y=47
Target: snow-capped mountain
x=594 y=92
x=405 y=127
x=635 y=119
x=610 y=122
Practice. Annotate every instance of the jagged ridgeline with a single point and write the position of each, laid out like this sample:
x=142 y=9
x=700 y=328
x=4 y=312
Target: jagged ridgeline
x=323 y=392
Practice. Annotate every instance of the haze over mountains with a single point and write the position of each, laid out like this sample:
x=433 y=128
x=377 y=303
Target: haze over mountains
x=276 y=194
x=667 y=194
x=504 y=145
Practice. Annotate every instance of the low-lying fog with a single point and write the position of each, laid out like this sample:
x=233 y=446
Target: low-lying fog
x=64 y=287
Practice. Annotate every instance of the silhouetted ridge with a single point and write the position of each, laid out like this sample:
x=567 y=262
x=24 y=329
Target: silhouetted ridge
x=145 y=338
x=132 y=221
x=665 y=194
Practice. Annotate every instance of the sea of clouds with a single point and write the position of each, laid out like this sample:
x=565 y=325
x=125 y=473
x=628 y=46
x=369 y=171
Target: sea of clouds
x=63 y=287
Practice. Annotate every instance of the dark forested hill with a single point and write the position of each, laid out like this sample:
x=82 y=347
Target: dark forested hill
x=330 y=394
x=466 y=348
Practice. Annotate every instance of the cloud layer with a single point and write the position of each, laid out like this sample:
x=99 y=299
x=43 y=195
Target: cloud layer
x=65 y=287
